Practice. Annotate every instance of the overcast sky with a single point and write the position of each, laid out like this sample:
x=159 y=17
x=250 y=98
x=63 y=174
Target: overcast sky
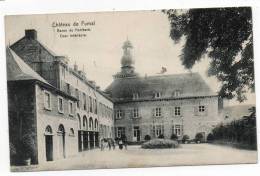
x=100 y=52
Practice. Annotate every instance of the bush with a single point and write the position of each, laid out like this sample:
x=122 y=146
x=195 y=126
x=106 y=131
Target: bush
x=161 y=136
x=147 y=138
x=199 y=137
x=160 y=143
x=185 y=138
x=174 y=137
x=210 y=137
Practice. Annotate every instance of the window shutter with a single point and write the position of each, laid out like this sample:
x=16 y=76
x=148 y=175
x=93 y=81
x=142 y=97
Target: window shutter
x=181 y=111
x=153 y=112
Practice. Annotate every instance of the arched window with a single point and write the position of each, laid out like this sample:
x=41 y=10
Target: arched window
x=71 y=132
x=96 y=124
x=61 y=129
x=79 y=122
x=85 y=123
x=48 y=130
x=90 y=123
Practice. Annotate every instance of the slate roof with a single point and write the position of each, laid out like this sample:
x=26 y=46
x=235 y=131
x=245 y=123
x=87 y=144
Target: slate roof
x=17 y=69
x=189 y=85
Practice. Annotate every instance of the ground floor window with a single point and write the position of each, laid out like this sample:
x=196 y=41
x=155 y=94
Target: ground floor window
x=158 y=130
x=120 y=131
x=177 y=129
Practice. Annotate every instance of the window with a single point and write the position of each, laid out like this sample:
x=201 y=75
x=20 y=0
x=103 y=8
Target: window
x=177 y=111
x=135 y=96
x=135 y=113
x=176 y=129
x=70 y=108
x=119 y=114
x=158 y=112
x=47 y=100
x=158 y=130
x=176 y=93
x=95 y=106
x=157 y=95
x=84 y=101
x=120 y=132
x=71 y=132
x=60 y=105
x=68 y=88
x=77 y=96
x=90 y=104
x=201 y=108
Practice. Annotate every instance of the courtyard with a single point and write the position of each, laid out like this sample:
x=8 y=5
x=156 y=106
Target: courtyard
x=135 y=156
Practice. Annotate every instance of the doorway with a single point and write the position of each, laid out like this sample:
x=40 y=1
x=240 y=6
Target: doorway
x=137 y=136
x=49 y=144
x=61 y=136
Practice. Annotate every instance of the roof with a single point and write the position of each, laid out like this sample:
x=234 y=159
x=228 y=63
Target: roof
x=17 y=69
x=188 y=84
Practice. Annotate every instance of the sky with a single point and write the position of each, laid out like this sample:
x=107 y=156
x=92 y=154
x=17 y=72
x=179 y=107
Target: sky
x=100 y=52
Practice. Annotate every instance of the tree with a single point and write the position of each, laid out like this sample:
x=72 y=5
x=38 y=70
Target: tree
x=225 y=36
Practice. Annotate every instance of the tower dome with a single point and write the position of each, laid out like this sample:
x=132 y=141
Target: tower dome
x=127 y=58
x=127 y=62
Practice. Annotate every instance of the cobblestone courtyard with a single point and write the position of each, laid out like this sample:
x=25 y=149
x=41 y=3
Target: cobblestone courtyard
x=188 y=154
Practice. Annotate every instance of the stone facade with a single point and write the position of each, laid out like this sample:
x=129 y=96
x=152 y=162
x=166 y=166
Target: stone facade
x=80 y=114
x=161 y=105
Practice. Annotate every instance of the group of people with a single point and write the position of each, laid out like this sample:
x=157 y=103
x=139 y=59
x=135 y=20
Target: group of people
x=110 y=143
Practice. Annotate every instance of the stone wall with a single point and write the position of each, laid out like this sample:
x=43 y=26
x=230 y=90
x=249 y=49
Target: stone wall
x=191 y=121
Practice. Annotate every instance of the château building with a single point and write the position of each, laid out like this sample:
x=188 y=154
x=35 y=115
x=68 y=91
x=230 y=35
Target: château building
x=162 y=105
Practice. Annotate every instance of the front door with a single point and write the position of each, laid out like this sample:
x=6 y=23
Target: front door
x=49 y=147
x=136 y=136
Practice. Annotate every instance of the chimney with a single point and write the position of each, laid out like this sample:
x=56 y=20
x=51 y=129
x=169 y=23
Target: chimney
x=31 y=34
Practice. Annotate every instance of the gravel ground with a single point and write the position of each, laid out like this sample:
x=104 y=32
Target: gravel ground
x=134 y=156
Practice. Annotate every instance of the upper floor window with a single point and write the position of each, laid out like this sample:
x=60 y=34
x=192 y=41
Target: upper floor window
x=47 y=100
x=157 y=95
x=176 y=93
x=77 y=96
x=68 y=89
x=177 y=111
x=158 y=112
x=84 y=101
x=60 y=105
x=119 y=114
x=201 y=108
x=90 y=104
x=135 y=96
x=135 y=113
x=71 y=108
x=95 y=106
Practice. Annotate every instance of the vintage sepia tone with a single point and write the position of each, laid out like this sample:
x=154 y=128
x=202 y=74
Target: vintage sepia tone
x=131 y=89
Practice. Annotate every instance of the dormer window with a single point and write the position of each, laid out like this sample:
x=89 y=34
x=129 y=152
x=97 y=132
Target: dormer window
x=157 y=95
x=176 y=93
x=135 y=96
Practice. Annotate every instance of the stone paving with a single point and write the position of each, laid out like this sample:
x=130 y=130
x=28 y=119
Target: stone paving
x=134 y=156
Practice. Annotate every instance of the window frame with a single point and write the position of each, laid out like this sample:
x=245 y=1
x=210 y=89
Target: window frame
x=50 y=103
x=62 y=100
x=70 y=109
x=135 y=96
x=119 y=114
x=157 y=95
x=177 y=111
x=136 y=113
x=158 y=112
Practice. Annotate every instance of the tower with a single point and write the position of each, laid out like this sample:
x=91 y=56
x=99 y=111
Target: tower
x=127 y=62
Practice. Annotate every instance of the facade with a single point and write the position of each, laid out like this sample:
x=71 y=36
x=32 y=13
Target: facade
x=162 y=105
x=77 y=111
